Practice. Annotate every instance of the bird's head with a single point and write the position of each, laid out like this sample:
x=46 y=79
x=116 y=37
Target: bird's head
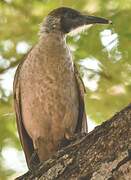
x=66 y=19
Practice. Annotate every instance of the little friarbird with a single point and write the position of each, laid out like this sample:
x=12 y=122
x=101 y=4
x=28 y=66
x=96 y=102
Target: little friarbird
x=48 y=91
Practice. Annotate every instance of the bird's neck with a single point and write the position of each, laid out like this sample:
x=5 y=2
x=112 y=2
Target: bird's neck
x=53 y=41
x=53 y=46
x=54 y=34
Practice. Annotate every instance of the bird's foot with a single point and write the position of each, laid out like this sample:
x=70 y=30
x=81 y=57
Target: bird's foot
x=34 y=162
x=65 y=142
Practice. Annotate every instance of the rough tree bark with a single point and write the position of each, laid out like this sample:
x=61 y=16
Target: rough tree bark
x=103 y=154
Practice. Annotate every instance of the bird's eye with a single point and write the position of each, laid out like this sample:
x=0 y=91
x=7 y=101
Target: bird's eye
x=72 y=16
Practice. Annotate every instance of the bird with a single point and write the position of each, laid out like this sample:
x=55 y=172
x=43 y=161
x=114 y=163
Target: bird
x=48 y=90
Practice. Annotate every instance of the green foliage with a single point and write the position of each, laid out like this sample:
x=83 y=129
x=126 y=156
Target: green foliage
x=108 y=46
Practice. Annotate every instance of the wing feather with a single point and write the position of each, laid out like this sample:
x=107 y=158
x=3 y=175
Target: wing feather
x=25 y=139
x=82 y=121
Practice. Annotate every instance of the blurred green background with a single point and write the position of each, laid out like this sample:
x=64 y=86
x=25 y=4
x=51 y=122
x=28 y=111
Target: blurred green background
x=102 y=54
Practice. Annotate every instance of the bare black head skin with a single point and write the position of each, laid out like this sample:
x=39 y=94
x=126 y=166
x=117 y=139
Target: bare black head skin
x=65 y=20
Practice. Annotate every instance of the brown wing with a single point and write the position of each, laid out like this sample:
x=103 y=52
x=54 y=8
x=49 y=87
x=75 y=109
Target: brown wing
x=26 y=141
x=82 y=121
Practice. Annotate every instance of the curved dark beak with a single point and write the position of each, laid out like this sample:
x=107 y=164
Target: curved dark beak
x=95 y=20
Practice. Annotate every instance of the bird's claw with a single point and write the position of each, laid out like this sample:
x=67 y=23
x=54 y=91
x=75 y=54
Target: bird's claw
x=34 y=162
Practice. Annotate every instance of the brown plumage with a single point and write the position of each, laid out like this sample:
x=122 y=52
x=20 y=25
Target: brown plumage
x=48 y=91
